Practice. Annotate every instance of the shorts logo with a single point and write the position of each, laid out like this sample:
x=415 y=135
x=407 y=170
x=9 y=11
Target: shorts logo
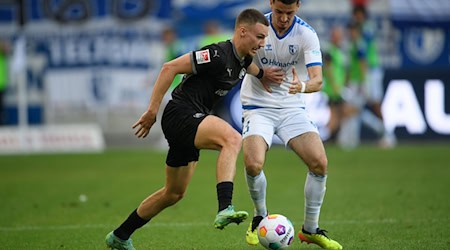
x=221 y=92
x=202 y=56
x=198 y=115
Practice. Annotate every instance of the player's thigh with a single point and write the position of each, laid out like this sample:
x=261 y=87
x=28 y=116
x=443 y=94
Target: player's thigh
x=294 y=122
x=299 y=132
x=178 y=178
x=309 y=148
x=213 y=133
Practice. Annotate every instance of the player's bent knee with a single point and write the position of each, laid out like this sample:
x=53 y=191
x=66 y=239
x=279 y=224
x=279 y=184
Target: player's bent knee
x=319 y=166
x=234 y=140
x=253 y=166
x=253 y=170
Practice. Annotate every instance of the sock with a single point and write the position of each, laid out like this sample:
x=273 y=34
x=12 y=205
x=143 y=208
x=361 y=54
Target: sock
x=257 y=188
x=348 y=136
x=314 y=194
x=224 y=194
x=373 y=122
x=130 y=225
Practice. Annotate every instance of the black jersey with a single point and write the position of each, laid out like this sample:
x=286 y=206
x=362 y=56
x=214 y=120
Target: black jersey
x=216 y=69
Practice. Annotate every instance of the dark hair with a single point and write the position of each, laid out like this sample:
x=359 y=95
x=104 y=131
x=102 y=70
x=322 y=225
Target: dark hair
x=361 y=9
x=287 y=2
x=251 y=16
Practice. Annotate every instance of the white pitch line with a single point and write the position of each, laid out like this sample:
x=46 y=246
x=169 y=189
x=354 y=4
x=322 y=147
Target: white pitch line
x=161 y=224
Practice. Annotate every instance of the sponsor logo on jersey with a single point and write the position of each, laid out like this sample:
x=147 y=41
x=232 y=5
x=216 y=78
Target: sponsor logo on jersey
x=198 y=115
x=316 y=52
x=202 y=56
x=216 y=53
x=221 y=92
x=230 y=70
x=273 y=62
x=293 y=49
x=268 y=47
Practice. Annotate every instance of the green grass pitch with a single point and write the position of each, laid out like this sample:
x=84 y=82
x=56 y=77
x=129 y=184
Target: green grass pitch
x=376 y=199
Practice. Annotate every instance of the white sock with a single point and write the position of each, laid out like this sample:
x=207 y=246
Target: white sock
x=373 y=122
x=257 y=188
x=349 y=134
x=314 y=194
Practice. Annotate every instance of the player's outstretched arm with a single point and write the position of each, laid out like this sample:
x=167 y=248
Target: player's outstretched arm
x=180 y=65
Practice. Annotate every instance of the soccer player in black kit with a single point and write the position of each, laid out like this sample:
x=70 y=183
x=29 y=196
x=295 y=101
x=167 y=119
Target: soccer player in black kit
x=188 y=125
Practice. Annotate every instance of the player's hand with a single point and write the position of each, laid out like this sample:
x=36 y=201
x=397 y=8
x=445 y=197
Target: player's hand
x=144 y=124
x=272 y=75
x=296 y=85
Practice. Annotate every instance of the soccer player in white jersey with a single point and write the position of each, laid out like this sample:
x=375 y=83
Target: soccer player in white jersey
x=293 y=50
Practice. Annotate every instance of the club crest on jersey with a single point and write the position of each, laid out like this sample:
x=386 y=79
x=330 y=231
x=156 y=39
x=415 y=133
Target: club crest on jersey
x=242 y=73
x=202 y=56
x=293 y=49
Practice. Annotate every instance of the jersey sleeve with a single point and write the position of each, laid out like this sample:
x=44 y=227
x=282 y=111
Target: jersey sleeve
x=248 y=61
x=207 y=60
x=313 y=55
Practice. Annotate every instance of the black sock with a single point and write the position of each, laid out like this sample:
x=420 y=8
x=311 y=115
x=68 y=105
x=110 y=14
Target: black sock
x=224 y=194
x=130 y=225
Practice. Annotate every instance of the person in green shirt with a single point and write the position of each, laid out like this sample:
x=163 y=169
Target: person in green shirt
x=373 y=85
x=4 y=49
x=213 y=33
x=173 y=49
x=335 y=77
x=358 y=83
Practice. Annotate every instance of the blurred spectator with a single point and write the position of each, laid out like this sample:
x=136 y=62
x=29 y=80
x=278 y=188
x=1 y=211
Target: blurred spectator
x=334 y=81
x=373 y=86
x=357 y=95
x=4 y=51
x=173 y=49
x=362 y=3
x=213 y=33
x=374 y=78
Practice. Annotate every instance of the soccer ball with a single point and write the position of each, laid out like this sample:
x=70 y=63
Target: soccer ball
x=275 y=232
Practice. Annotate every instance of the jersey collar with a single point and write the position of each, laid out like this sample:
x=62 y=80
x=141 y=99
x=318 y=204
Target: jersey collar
x=287 y=32
x=241 y=60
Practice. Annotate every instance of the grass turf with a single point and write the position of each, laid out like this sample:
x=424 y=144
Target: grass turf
x=376 y=199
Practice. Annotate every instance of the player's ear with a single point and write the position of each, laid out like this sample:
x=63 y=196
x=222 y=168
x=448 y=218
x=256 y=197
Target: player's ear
x=242 y=31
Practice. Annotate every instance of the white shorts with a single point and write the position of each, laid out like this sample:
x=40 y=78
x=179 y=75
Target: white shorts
x=285 y=123
x=354 y=95
x=374 y=86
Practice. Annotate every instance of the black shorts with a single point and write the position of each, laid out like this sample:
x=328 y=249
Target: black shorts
x=179 y=124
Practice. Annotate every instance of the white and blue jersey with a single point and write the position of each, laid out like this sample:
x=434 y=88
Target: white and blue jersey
x=299 y=48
